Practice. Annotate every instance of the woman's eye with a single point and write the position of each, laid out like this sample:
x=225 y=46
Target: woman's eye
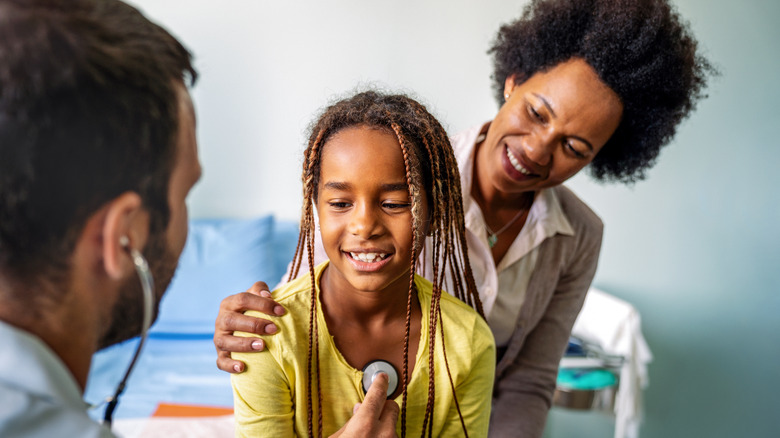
x=339 y=205
x=534 y=113
x=570 y=147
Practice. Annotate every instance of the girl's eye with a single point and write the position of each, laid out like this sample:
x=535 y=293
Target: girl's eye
x=338 y=205
x=396 y=205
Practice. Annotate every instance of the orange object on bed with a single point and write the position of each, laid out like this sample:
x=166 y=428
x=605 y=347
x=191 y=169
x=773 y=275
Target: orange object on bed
x=180 y=410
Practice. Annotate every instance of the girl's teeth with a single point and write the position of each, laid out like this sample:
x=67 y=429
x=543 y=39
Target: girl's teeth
x=516 y=164
x=367 y=257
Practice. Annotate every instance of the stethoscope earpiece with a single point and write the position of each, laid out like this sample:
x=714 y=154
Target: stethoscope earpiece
x=373 y=368
x=147 y=287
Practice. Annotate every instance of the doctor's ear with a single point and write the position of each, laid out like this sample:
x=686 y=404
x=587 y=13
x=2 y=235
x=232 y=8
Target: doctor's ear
x=125 y=227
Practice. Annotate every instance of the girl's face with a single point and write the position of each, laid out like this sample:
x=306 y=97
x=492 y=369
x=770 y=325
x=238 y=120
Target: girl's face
x=551 y=126
x=365 y=210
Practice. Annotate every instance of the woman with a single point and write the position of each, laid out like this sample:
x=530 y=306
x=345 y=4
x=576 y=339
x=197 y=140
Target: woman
x=603 y=83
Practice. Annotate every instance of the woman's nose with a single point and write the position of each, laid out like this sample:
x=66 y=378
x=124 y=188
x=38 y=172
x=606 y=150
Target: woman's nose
x=538 y=146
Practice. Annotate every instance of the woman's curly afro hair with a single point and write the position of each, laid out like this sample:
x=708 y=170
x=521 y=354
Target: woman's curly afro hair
x=642 y=49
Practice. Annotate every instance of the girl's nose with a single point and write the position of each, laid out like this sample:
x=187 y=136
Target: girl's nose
x=364 y=222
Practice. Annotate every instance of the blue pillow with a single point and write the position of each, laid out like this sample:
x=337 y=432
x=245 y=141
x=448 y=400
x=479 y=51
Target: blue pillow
x=221 y=257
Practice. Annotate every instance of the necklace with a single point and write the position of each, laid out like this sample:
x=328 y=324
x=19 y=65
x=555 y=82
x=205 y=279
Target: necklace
x=493 y=235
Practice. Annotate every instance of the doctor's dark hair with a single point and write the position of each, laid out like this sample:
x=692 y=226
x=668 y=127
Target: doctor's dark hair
x=642 y=49
x=430 y=168
x=88 y=111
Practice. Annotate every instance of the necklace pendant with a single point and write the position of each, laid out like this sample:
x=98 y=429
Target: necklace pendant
x=492 y=239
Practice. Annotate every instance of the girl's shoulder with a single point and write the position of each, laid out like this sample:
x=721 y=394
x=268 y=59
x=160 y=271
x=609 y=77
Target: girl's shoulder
x=456 y=314
x=299 y=288
x=295 y=297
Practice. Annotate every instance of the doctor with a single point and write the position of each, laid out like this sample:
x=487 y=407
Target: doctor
x=97 y=156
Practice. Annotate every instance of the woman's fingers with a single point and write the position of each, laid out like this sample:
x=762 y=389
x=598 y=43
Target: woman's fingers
x=231 y=311
x=256 y=298
x=231 y=318
x=229 y=322
x=226 y=342
x=226 y=363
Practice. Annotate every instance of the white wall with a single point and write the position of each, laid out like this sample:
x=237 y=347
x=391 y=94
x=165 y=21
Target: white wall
x=267 y=67
x=696 y=247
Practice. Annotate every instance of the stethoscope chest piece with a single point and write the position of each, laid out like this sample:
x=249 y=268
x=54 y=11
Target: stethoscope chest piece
x=373 y=368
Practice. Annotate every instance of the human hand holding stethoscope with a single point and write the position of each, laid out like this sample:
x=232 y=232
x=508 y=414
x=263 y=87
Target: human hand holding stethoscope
x=376 y=416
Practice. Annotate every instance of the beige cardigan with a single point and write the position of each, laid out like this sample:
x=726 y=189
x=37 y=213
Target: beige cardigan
x=526 y=374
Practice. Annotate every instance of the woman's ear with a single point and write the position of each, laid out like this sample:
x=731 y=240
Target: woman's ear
x=126 y=225
x=509 y=85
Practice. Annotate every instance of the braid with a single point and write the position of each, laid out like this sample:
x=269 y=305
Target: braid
x=310 y=163
x=449 y=375
x=432 y=316
x=417 y=219
x=306 y=238
x=312 y=354
x=472 y=297
x=431 y=169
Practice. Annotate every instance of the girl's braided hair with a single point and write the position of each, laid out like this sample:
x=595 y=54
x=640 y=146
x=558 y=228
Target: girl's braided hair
x=430 y=168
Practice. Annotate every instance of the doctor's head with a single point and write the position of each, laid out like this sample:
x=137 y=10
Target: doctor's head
x=97 y=144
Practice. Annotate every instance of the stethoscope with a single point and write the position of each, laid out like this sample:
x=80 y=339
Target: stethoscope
x=372 y=370
x=147 y=285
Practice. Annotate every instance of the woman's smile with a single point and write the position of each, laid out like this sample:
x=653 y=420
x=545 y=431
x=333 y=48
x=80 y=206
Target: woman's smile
x=517 y=167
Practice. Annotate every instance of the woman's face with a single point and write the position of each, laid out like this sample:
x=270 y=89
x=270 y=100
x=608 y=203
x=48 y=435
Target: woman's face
x=551 y=126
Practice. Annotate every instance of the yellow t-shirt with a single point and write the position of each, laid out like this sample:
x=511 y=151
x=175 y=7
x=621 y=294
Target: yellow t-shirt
x=271 y=395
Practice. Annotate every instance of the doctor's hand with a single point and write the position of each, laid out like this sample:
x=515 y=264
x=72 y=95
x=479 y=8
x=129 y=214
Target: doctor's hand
x=375 y=417
x=231 y=318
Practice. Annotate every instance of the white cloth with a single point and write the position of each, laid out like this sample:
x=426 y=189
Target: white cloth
x=222 y=426
x=615 y=326
x=38 y=395
x=501 y=288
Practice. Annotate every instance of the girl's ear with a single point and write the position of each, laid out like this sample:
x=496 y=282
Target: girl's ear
x=126 y=225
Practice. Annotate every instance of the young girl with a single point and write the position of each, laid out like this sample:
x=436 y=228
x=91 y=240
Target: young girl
x=382 y=175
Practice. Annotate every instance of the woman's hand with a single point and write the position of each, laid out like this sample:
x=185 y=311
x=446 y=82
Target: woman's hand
x=231 y=318
x=375 y=417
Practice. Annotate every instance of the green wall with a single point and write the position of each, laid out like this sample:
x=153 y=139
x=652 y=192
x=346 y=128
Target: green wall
x=696 y=247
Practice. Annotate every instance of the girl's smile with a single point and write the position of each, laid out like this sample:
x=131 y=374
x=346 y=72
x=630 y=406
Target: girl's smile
x=368 y=260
